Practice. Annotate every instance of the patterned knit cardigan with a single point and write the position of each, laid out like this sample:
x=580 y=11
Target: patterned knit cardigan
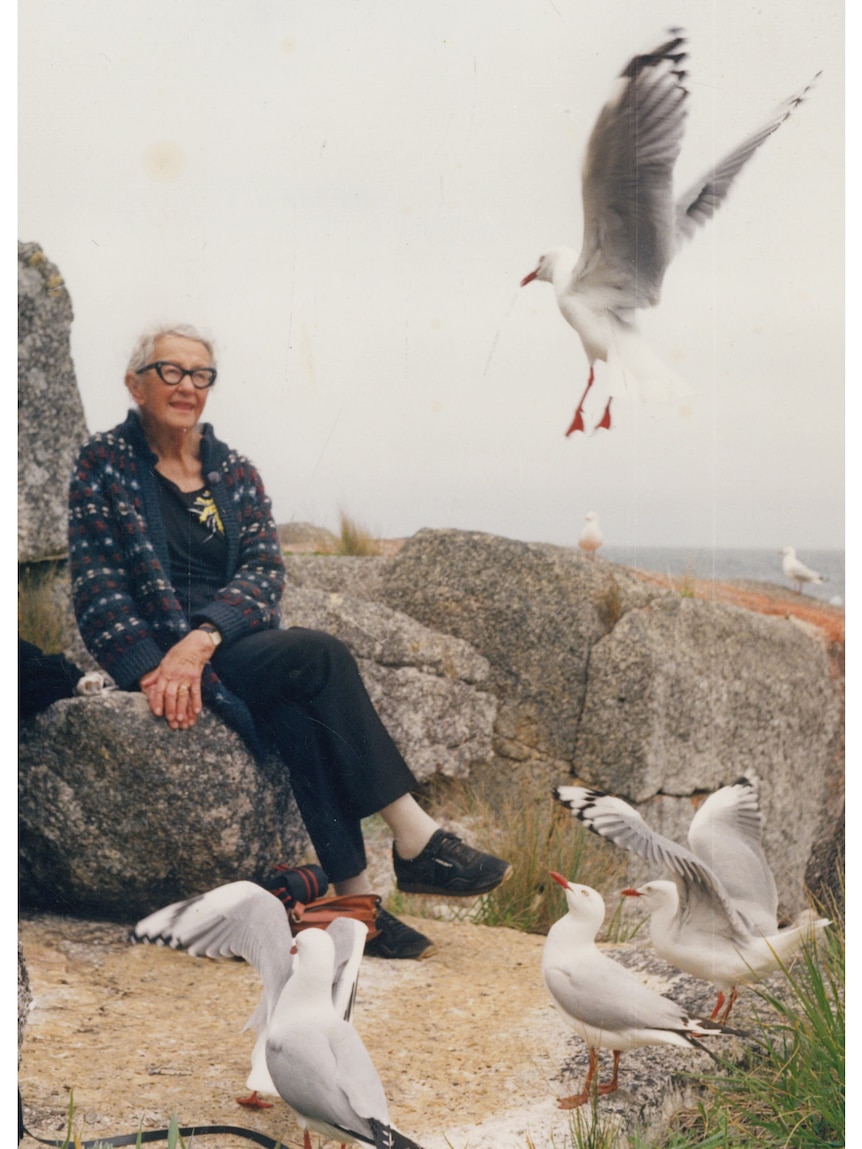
x=125 y=604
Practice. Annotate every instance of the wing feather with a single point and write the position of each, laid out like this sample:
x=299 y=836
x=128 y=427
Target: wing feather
x=627 y=181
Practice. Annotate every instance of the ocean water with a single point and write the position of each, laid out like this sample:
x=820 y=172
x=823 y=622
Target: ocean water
x=761 y=565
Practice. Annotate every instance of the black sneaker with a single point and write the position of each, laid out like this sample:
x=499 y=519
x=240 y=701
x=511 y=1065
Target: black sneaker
x=449 y=867
x=398 y=940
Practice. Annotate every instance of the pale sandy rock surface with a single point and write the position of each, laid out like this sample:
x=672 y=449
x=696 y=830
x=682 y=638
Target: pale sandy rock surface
x=467 y=1043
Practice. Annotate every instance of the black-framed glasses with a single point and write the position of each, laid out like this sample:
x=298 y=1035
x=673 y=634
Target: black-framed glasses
x=172 y=374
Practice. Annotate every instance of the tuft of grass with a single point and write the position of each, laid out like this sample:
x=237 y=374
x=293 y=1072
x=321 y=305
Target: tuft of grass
x=609 y=606
x=355 y=539
x=536 y=836
x=39 y=620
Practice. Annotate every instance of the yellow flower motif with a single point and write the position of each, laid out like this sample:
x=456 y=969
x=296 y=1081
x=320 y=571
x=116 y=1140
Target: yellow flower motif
x=207 y=513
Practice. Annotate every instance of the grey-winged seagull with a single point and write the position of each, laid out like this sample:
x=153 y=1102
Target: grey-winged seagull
x=603 y=1002
x=717 y=919
x=319 y=1062
x=633 y=225
x=244 y=920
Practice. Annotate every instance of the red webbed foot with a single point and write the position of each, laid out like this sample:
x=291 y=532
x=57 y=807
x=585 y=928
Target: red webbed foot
x=578 y=421
x=253 y=1101
x=605 y=420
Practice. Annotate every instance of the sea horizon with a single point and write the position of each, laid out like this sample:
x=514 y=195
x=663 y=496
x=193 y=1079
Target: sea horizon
x=759 y=564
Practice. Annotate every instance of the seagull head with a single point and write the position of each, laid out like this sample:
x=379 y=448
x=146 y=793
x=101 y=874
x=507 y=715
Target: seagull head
x=655 y=894
x=586 y=905
x=314 y=957
x=558 y=258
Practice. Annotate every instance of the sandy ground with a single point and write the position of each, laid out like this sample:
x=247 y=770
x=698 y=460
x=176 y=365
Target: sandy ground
x=467 y=1043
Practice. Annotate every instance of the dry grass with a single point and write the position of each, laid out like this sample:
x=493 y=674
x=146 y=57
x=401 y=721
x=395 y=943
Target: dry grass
x=39 y=620
x=356 y=539
x=536 y=835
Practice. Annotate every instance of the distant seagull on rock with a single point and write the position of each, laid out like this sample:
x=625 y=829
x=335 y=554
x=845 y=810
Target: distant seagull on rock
x=717 y=919
x=798 y=572
x=603 y=1002
x=591 y=537
x=633 y=226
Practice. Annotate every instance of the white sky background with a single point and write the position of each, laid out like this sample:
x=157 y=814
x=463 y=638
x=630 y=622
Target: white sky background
x=346 y=195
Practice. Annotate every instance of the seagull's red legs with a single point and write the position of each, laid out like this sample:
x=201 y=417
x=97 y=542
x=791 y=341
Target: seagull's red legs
x=734 y=994
x=578 y=421
x=609 y=1087
x=254 y=1102
x=605 y=420
x=718 y=1004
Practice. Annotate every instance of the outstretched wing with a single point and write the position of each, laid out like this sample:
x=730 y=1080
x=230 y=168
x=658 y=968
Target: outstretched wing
x=627 y=180
x=725 y=834
x=703 y=899
x=701 y=201
x=240 y=919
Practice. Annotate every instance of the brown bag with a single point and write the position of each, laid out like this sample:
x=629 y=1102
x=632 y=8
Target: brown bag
x=363 y=907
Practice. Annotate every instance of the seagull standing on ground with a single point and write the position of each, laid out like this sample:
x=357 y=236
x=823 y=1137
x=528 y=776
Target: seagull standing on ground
x=633 y=227
x=319 y=1062
x=591 y=537
x=717 y=919
x=797 y=571
x=306 y=1050
x=603 y=1002
x=241 y=919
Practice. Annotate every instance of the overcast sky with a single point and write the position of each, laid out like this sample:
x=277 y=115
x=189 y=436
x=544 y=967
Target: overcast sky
x=347 y=193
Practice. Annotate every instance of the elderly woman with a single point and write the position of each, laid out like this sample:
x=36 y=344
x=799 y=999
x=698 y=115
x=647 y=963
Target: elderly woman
x=177 y=576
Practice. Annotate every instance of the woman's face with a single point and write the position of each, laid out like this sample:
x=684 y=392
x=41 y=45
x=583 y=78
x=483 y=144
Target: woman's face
x=177 y=407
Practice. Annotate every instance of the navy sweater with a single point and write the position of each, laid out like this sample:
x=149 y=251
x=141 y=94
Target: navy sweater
x=125 y=603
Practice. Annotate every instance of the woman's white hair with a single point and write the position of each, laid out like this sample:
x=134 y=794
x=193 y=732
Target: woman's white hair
x=144 y=349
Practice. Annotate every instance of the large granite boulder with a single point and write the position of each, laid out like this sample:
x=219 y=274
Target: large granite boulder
x=51 y=424
x=535 y=612
x=642 y=692
x=430 y=689
x=118 y=814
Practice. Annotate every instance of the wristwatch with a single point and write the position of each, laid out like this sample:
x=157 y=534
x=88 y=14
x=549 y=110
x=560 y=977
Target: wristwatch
x=212 y=631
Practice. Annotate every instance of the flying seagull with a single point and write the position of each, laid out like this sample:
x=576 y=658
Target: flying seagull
x=603 y=1002
x=633 y=224
x=717 y=919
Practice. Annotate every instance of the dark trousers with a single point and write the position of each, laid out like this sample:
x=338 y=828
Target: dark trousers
x=304 y=689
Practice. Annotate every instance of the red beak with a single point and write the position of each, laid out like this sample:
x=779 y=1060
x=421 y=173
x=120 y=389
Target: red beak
x=631 y=893
x=559 y=879
x=529 y=278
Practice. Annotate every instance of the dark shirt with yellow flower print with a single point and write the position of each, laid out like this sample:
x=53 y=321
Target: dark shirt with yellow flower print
x=196 y=542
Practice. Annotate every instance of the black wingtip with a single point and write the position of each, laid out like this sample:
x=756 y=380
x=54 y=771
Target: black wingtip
x=385 y=1137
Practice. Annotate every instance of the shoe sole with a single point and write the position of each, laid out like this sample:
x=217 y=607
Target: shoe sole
x=448 y=891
